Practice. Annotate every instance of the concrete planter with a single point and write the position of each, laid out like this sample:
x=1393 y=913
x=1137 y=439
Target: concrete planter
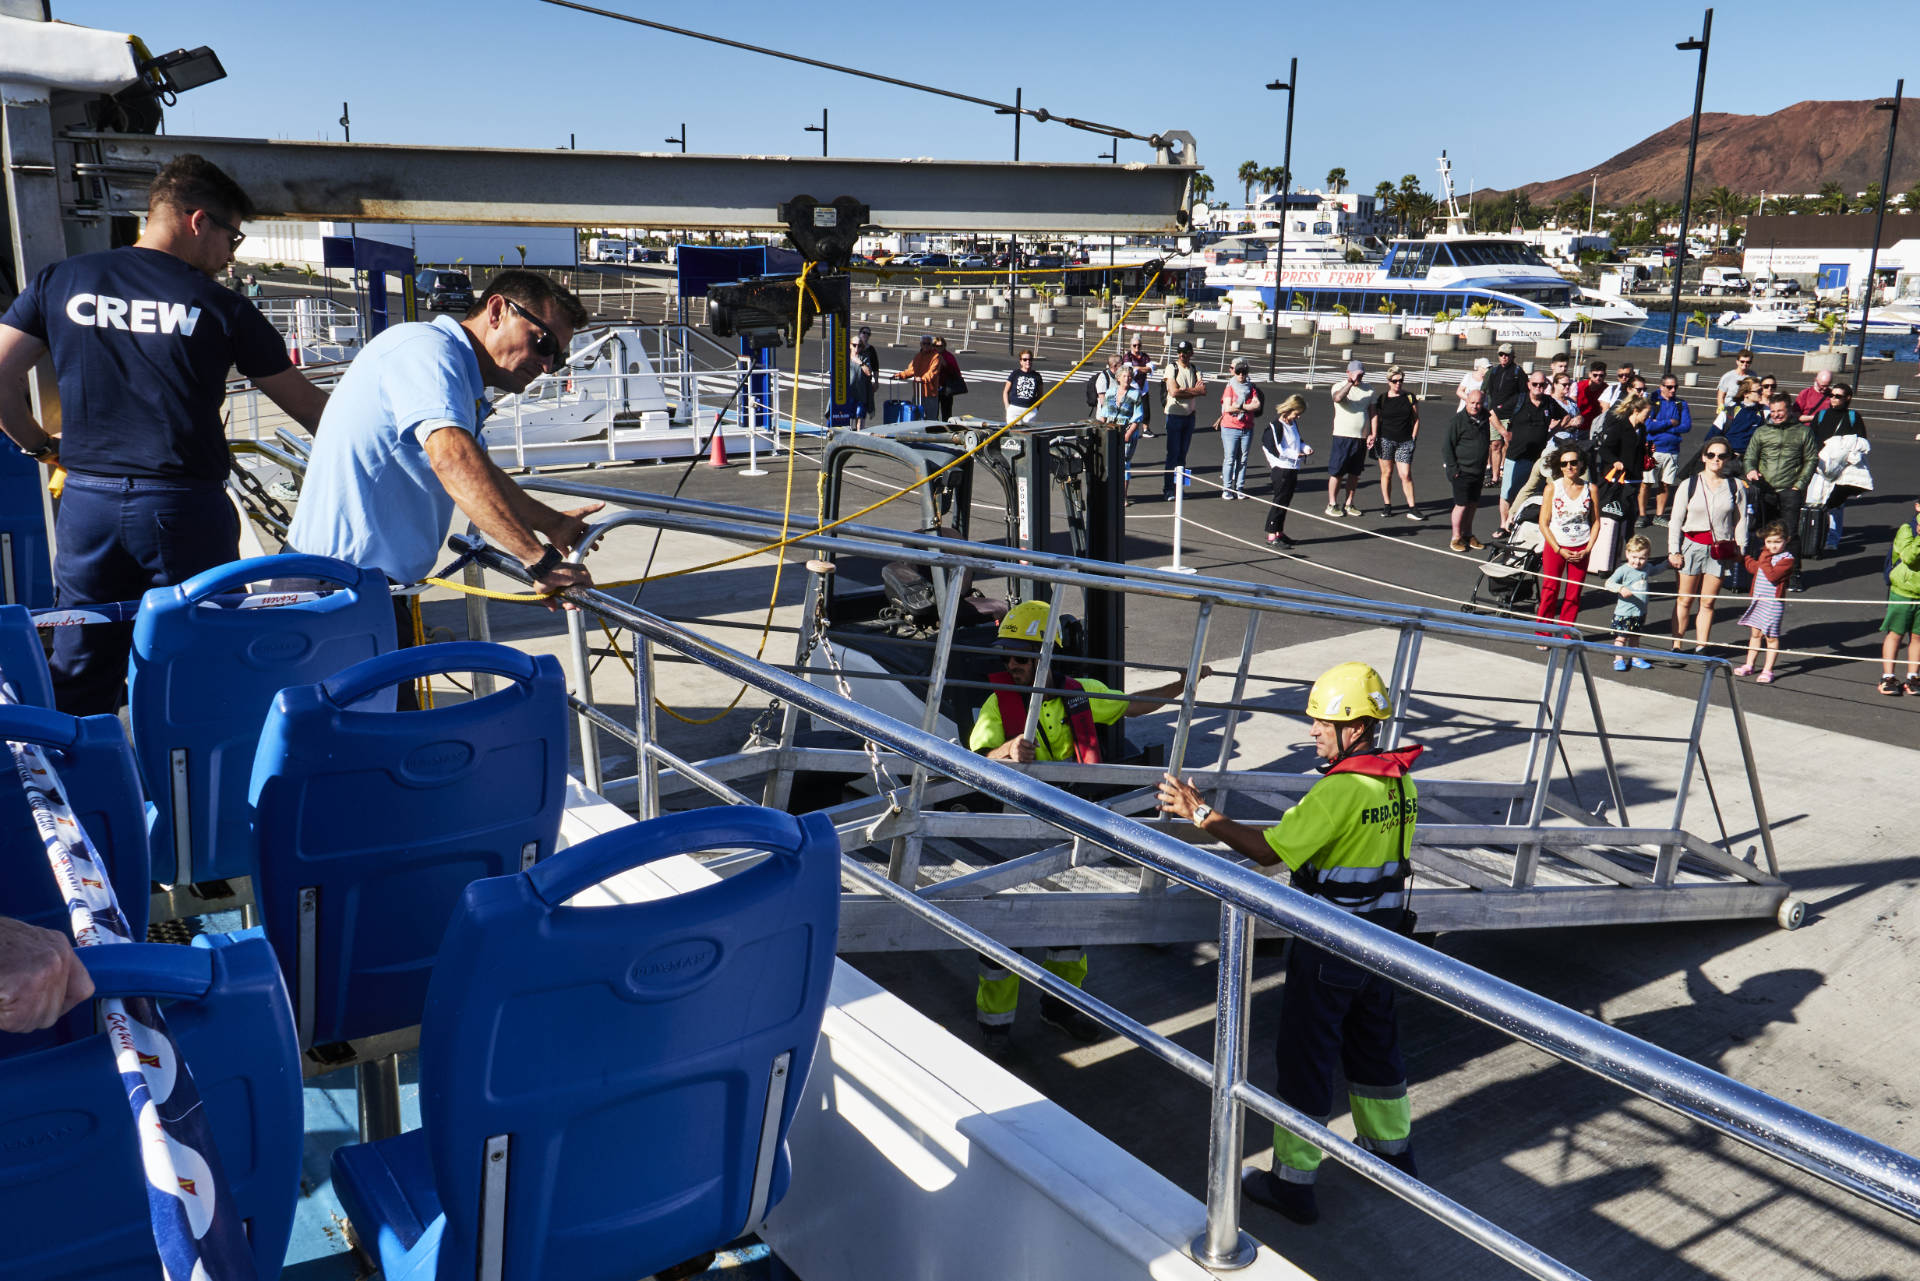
x=1257 y=330
x=916 y=295
x=1300 y=328
x=1023 y=293
x=1707 y=348
x=938 y=300
x=1831 y=362
x=1548 y=348
x=1387 y=331
x=1343 y=337
x=1583 y=342
x=1179 y=325
x=1157 y=316
x=987 y=311
x=1046 y=315
x=1479 y=336
x=1682 y=354
x=876 y=295
x=1444 y=342
x=1095 y=316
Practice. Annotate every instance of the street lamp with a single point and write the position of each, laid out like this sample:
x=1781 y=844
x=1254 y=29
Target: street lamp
x=1879 y=220
x=821 y=129
x=1686 y=195
x=1112 y=153
x=1280 y=241
x=1015 y=112
x=682 y=139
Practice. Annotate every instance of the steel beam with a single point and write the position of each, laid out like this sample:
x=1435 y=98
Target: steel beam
x=374 y=182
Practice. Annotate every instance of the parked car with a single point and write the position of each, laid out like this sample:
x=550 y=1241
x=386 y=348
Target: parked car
x=929 y=260
x=1046 y=262
x=442 y=290
x=1722 y=280
x=971 y=262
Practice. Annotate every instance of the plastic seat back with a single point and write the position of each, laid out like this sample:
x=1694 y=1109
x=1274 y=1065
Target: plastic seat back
x=368 y=825
x=645 y=1059
x=94 y=768
x=22 y=661
x=201 y=679
x=73 y=1190
x=26 y=561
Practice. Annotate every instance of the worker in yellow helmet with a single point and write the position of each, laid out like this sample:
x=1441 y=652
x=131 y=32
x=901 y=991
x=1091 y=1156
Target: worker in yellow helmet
x=1066 y=732
x=1349 y=840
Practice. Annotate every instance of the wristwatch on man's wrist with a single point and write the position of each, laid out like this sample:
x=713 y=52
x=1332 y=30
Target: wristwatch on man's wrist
x=548 y=562
x=1201 y=813
x=44 y=451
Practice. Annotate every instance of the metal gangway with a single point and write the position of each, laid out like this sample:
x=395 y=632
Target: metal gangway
x=1239 y=901
x=1524 y=850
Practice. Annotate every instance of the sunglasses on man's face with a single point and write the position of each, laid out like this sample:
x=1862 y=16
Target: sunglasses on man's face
x=547 y=344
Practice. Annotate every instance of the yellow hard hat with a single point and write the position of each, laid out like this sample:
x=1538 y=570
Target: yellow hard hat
x=1026 y=621
x=1349 y=692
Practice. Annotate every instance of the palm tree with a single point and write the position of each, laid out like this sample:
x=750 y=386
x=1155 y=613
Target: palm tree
x=1336 y=180
x=1248 y=173
x=1720 y=202
x=1870 y=198
x=1202 y=185
x=1832 y=199
x=1913 y=198
x=1275 y=179
x=1382 y=191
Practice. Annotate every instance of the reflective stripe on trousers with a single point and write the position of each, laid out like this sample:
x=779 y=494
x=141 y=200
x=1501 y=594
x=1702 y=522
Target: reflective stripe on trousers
x=1334 y=1012
x=999 y=992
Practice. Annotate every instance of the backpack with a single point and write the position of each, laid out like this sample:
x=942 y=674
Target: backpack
x=1093 y=390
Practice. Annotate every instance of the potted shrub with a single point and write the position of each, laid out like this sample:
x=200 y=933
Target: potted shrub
x=1440 y=338
x=1479 y=335
x=1706 y=348
x=1833 y=324
x=1586 y=339
x=1548 y=348
x=1388 y=330
x=1342 y=334
x=1301 y=326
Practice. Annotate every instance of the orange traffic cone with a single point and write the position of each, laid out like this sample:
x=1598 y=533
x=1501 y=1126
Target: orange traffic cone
x=717 y=455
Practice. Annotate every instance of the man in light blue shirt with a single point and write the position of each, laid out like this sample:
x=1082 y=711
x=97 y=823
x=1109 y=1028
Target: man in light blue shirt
x=398 y=447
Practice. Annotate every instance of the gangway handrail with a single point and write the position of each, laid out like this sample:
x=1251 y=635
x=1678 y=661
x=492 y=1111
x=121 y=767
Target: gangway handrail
x=1183 y=585
x=1828 y=1151
x=1413 y=621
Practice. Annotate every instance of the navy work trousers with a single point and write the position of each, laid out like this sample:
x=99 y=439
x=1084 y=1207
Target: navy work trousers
x=118 y=537
x=1334 y=1012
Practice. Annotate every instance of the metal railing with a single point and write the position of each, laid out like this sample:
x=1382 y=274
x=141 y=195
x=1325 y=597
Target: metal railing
x=1531 y=800
x=1888 y=1178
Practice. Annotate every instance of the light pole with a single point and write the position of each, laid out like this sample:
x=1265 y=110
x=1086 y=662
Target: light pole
x=1879 y=220
x=821 y=129
x=1112 y=154
x=682 y=139
x=1015 y=112
x=1280 y=240
x=1686 y=194
x=1593 y=200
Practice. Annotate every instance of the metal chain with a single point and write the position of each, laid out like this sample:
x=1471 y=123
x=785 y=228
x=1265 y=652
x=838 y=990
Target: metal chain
x=883 y=780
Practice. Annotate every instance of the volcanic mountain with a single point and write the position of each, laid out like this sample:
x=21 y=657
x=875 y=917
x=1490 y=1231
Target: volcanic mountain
x=1791 y=152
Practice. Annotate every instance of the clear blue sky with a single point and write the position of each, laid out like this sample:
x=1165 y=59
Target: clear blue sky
x=1384 y=86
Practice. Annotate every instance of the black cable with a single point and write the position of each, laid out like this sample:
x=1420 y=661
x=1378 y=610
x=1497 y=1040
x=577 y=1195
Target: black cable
x=1004 y=108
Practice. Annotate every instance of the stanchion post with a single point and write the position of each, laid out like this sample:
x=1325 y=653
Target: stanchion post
x=1179 y=510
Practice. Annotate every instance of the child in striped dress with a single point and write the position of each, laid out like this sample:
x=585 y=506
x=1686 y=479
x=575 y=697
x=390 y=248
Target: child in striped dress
x=1770 y=570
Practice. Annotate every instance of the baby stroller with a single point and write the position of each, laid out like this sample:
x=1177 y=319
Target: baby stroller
x=1510 y=579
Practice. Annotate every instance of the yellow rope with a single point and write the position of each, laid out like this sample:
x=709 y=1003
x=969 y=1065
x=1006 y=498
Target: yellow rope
x=785 y=541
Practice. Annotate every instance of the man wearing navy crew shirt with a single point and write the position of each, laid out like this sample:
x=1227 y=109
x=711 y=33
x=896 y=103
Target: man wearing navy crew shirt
x=142 y=339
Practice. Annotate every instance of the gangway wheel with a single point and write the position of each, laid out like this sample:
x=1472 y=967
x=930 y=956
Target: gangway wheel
x=1792 y=914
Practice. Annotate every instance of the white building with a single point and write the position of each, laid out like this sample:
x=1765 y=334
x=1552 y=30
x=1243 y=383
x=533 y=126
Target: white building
x=1829 y=252
x=433 y=244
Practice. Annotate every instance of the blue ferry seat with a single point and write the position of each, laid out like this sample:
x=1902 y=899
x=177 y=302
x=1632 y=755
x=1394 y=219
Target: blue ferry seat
x=22 y=660
x=369 y=824
x=26 y=560
x=94 y=767
x=606 y=1090
x=73 y=1190
x=199 y=683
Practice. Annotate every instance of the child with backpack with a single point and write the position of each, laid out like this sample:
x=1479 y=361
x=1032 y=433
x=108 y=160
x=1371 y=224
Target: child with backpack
x=1770 y=570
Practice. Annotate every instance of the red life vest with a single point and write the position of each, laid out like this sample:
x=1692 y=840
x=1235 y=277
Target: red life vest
x=1013 y=716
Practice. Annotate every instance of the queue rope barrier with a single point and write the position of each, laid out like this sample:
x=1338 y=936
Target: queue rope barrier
x=1549 y=624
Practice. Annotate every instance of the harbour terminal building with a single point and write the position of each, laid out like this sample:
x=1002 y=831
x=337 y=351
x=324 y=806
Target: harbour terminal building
x=1830 y=252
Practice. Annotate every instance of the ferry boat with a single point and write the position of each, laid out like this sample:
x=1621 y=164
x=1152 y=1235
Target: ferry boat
x=1420 y=278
